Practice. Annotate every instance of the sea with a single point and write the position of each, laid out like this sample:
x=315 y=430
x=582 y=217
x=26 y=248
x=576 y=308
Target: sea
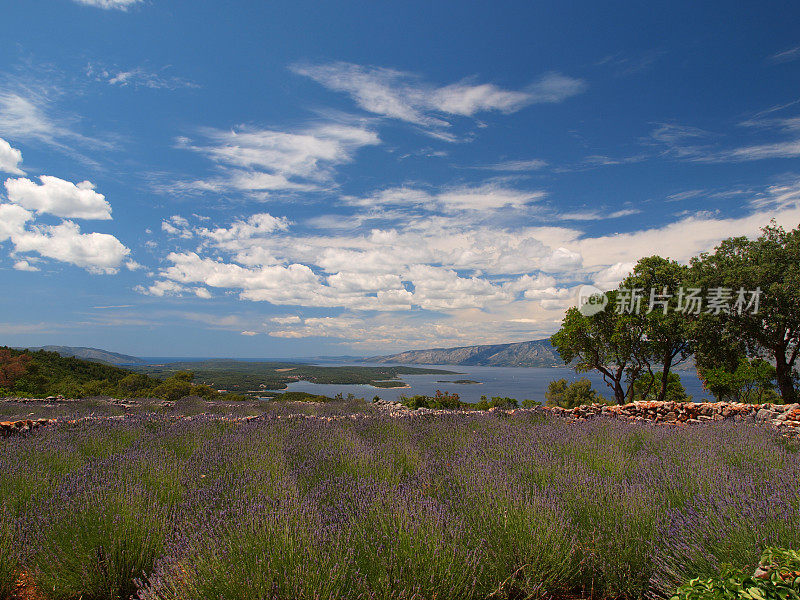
x=512 y=382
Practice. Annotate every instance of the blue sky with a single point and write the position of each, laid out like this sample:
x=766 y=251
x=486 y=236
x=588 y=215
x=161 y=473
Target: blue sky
x=275 y=179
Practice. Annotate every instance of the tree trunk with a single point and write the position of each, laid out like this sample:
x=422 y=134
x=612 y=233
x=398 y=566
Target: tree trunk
x=662 y=393
x=619 y=393
x=783 y=375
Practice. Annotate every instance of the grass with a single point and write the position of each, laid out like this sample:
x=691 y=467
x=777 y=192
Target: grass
x=473 y=505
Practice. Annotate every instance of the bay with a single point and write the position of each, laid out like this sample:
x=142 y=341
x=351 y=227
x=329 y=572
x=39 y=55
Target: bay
x=513 y=382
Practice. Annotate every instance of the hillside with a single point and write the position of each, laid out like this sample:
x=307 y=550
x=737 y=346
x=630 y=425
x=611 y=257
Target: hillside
x=536 y=353
x=92 y=354
x=38 y=374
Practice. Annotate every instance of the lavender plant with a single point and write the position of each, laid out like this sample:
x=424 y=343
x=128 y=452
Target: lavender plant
x=341 y=505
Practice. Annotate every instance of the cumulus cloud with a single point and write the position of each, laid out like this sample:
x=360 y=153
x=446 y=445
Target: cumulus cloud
x=59 y=197
x=24 y=265
x=255 y=226
x=404 y=96
x=609 y=278
x=10 y=158
x=97 y=252
x=13 y=219
x=457 y=264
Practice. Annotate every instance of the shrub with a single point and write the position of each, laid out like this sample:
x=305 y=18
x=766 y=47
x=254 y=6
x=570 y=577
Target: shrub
x=495 y=402
x=569 y=395
x=648 y=386
x=9 y=564
x=751 y=381
x=441 y=401
x=100 y=543
x=777 y=578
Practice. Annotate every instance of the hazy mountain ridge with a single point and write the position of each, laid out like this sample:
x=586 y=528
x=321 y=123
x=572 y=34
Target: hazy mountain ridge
x=536 y=353
x=93 y=354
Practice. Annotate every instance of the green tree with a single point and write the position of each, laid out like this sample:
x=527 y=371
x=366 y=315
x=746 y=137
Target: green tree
x=569 y=395
x=771 y=264
x=666 y=330
x=609 y=342
x=649 y=387
x=131 y=384
x=751 y=381
x=187 y=376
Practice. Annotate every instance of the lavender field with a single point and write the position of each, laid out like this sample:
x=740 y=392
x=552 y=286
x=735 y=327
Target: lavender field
x=440 y=506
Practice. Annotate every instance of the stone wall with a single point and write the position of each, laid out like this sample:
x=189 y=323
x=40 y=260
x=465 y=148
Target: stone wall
x=785 y=418
x=8 y=428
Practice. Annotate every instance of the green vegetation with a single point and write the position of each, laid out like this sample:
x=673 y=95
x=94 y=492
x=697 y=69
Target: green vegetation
x=483 y=506
x=441 y=401
x=770 y=263
x=448 y=401
x=9 y=562
x=300 y=397
x=462 y=381
x=650 y=387
x=495 y=402
x=739 y=348
x=606 y=342
x=751 y=381
x=41 y=373
x=253 y=377
x=569 y=395
x=778 y=579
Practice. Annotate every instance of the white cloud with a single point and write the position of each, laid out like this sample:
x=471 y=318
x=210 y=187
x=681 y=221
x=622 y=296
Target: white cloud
x=59 y=197
x=487 y=197
x=109 y=4
x=24 y=265
x=23 y=116
x=790 y=149
x=786 y=55
x=492 y=280
x=97 y=252
x=178 y=226
x=137 y=77
x=286 y=320
x=269 y=160
x=609 y=278
x=516 y=166
x=13 y=219
x=249 y=333
x=10 y=158
x=404 y=96
x=562 y=259
x=255 y=226
x=28 y=113
x=595 y=215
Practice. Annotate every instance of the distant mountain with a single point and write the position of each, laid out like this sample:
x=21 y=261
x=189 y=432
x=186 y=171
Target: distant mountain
x=94 y=355
x=537 y=353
